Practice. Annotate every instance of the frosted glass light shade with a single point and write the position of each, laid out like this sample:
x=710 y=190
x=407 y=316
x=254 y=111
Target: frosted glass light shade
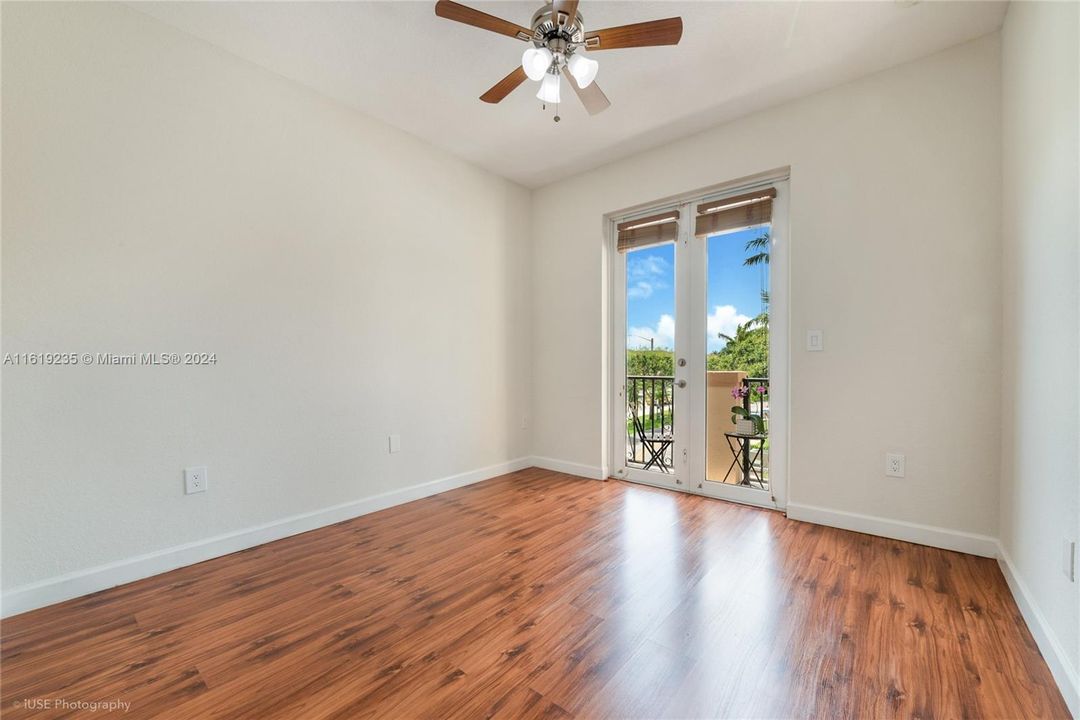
x=549 y=89
x=535 y=62
x=583 y=69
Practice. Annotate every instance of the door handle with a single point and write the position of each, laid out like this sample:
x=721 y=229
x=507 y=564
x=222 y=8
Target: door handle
x=681 y=383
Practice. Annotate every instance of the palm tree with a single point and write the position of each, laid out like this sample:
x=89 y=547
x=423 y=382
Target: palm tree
x=742 y=332
x=762 y=318
x=760 y=247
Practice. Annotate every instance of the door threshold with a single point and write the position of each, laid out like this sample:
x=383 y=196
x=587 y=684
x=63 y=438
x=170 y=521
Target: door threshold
x=772 y=506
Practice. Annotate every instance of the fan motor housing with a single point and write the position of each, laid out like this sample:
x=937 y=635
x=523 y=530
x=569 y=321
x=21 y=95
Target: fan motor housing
x=558 y=39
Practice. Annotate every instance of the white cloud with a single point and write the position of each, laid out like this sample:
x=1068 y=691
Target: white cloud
x=645 y=275
x=723 y=319
x=647 y=267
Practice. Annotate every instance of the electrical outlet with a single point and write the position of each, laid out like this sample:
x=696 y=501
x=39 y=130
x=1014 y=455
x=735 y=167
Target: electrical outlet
x=1068 y=559
x=194 y=480
x=395 y=443
x=894 y=465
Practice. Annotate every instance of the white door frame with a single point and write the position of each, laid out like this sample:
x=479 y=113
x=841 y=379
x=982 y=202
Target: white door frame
x=676 y=480
x=779 y=391
x=690 y=342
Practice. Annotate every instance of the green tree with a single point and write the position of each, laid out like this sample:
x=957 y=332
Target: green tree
x=650 y=362
x=647 y=396
x=748 y=351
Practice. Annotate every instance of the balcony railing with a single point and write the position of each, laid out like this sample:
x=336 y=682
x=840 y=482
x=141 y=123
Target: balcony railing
x=650 y=401
x=754 y=462
x=649 y=423
x=757 y=401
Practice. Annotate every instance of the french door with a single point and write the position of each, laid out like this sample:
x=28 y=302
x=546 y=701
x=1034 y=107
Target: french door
x=699 y=337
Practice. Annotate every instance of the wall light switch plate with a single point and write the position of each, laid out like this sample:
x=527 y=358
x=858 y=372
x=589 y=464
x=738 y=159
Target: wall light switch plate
x=395 y=443
x=894 y=465
x=195 y=480
x=815 y=340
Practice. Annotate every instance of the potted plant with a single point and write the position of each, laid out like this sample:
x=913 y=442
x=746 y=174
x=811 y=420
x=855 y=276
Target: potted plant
x=746 y=422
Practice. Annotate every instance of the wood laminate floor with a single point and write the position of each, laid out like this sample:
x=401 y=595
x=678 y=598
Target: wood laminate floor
x=538 y=594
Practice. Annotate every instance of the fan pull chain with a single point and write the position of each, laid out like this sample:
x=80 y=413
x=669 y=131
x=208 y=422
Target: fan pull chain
x=543 y=106
x=557 y=118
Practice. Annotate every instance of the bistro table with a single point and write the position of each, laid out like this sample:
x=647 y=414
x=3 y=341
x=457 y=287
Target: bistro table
x=741 y=446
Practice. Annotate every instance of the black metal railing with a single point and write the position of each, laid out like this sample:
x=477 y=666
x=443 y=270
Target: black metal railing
x=651 y=413
x=651 y=405
x=755 y=465
x=757 y=400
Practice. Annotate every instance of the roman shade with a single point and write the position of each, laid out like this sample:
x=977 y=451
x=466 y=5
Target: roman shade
x=733 y=213
x=650 y=230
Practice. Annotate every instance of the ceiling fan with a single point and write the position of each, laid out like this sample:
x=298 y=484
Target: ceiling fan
x=558 y=41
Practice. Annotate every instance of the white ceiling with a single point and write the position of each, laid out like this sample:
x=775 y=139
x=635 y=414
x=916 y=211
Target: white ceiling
x=400 y=63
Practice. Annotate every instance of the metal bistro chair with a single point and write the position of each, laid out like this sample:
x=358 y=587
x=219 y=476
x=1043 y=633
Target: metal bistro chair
x=655 y=445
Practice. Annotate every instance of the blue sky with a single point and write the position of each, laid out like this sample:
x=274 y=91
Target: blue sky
x=734 y=290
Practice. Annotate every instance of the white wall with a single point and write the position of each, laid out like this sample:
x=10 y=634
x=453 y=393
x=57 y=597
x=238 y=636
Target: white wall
x=895 y=253
x=1040 y=488
x=162 y=195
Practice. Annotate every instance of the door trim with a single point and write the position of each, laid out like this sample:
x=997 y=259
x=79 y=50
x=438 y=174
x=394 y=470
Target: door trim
x=687 y=475
x=616 y=441
x=779 y=363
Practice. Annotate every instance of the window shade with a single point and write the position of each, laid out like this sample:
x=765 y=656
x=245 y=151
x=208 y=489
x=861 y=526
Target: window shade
x=651 y=230
x=754 y=208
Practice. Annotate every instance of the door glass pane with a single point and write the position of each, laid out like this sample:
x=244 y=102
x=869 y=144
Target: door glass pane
x=650 y=343
x=737 y=358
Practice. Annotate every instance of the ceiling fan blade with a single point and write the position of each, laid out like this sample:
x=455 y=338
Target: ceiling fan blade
x=656 y=32
x=462 y=14
x=592 y=97
x=567 y=8
x=505 y=86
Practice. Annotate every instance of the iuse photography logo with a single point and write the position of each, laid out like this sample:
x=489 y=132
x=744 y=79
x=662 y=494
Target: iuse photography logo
x=66 y=359
x=72 y=705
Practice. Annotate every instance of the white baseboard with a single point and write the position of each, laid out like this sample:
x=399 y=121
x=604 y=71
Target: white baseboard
x=938 y=537
x=1066 y=676
x=593 y=472
x=83 y=582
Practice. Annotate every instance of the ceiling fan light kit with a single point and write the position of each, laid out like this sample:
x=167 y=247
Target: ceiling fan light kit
x=536 y=61
x=549 y=89
x=559 y=41
x=583 y=69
